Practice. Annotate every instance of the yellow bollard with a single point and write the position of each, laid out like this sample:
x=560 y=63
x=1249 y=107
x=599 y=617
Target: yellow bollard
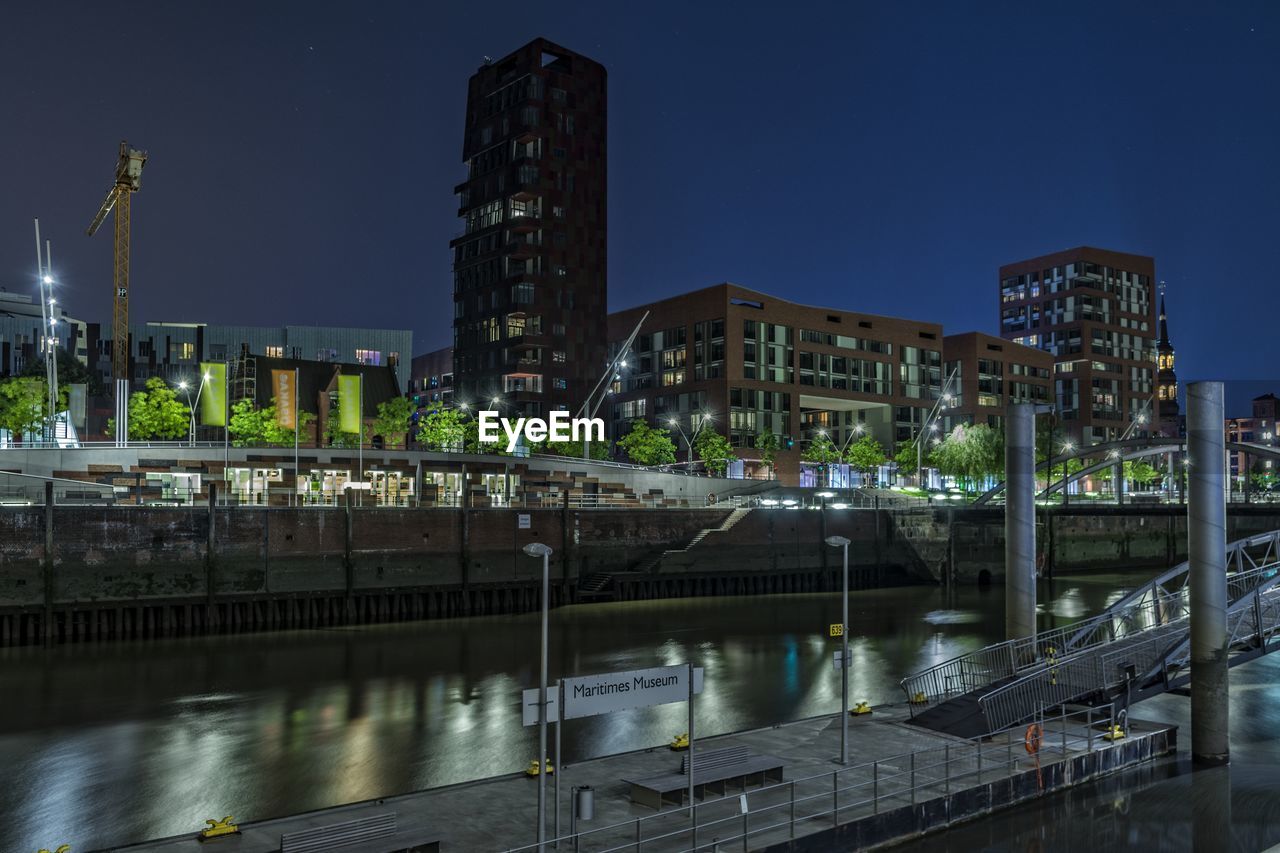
x=918 y=699
x=860 y=709
x=680 y=742
x=219 y=828
x=1115 y=734
x=63 y=848
x=535 y=768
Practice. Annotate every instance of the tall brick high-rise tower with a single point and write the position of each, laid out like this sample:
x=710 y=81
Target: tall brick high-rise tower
x=530 y=264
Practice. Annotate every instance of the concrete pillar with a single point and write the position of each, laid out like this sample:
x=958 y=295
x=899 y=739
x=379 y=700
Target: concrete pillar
x=210 y=550
x=1020 y=521
x=48 y=562
x=1206 y=548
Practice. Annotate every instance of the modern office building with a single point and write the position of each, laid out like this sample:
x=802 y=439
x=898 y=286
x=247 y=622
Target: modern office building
x=1094 y=310
x=986 y=374
x=750 y=362
x=530 y=264
x=21 y=323
x=174 y=351
x=431 y=378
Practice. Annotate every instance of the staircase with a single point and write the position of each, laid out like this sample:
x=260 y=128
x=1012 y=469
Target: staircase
x=1136 y=648
x=595 y=586
x=733 y=518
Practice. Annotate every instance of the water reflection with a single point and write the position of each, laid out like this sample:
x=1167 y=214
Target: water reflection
x=162 y=735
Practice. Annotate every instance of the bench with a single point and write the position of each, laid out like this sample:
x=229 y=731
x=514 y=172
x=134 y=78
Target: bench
x=715 y=771
x=321 y=839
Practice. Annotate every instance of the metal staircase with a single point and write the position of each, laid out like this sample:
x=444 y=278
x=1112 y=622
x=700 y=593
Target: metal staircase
x=732 y=519
x=1136 y=648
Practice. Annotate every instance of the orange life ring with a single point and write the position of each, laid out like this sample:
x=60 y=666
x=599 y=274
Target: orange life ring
x=1035 y=734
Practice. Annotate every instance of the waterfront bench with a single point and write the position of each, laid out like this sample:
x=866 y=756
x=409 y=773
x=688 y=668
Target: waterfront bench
x=348 y=833
x=716 y=771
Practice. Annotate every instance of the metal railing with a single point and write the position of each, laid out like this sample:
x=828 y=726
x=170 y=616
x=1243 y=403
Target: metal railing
x=1151 y=605
x=786 y=810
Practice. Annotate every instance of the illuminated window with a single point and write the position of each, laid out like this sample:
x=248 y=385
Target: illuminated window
x=275 y=352
x=373 y=356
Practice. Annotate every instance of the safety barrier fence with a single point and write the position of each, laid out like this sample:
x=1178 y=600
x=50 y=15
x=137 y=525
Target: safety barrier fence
x=797 y=807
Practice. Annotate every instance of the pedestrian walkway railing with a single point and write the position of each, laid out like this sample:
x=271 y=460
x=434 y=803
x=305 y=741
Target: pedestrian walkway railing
x=793 y=808
x=1163 y=600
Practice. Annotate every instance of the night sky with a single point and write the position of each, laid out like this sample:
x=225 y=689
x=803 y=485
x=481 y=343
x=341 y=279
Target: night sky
x=877 y=157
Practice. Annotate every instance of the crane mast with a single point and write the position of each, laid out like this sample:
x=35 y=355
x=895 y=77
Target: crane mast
x=128 y=181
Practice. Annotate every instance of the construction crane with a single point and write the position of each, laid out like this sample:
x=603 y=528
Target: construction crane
x=128 y=181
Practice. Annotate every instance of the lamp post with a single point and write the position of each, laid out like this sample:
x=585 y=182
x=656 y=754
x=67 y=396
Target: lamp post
x=537 y=549
x=1066 y=448
x=843 y=543
x=191 y=407
x=689 y=439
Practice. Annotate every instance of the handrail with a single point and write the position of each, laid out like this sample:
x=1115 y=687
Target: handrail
x=1005 y=659
x=914 y=776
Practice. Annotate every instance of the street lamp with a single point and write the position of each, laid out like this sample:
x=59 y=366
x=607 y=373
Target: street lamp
x=537 y=549
x=843 y=543
x=689 y=439
x=185 y=387
x=1066 y=448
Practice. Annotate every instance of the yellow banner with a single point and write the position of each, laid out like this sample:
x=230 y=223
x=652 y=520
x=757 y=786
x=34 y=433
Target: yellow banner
x=349 y=399
x=213 y=396
x=286 y=398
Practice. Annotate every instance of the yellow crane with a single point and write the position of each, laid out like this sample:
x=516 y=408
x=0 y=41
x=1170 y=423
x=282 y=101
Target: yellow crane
x=128 y=181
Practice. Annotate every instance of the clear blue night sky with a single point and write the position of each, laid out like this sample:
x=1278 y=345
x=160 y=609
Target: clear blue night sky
x=883 y=157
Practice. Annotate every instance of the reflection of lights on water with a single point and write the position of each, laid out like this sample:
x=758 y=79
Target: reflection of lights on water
x=1070 y=605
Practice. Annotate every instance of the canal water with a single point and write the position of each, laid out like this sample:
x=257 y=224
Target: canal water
x=108 y=743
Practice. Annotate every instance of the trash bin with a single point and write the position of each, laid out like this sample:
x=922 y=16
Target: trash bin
x=586 y=803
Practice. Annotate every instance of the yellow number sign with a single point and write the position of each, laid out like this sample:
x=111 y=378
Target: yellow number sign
x=837 y=630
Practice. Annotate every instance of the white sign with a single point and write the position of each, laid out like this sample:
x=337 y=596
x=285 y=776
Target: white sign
x=836 y=661
x=522 y=521
x=529 y=705
x=619 y=691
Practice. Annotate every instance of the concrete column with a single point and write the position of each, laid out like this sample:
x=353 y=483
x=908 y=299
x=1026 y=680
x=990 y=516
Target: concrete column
x=1020 y=521
x=48 y=563
x=1206 y=548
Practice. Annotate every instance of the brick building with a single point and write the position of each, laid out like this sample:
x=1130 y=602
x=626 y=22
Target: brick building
x=987 y=374
x=1094 y=311
x=530 y=266
x=752 y=361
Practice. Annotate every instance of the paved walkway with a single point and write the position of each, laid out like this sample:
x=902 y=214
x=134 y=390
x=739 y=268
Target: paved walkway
x=499 y=814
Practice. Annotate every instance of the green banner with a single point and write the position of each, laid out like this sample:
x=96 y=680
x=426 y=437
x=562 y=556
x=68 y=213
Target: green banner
x=349 y=403
x=213 y=396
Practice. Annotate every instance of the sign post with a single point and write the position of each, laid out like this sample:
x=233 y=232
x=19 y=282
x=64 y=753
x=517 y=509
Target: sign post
x=843 y=633
x=693 y=815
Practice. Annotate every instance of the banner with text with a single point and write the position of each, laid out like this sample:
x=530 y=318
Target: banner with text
x=349 y=403
x=286 y=398
x=213 y=400
x=619 y=691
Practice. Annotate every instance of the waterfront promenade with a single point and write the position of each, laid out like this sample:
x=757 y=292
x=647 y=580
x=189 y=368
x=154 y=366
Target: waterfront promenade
x=901 y=780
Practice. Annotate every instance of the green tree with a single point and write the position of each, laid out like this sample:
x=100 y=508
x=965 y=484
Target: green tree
x=335 y=437
x=645 y=445
x=156 y=412
x=443 y=429
x=715 y=451
x=23 y=405
x=821 y=450
x=572 y=449
x=70 y=372
x=906 y=458
x=1141 y=472
x=865 y=455
x=768 y=443
x=392 y=421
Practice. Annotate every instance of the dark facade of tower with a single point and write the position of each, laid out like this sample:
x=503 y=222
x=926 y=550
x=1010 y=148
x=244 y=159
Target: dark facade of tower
x=530 y=264
x=1170 y=423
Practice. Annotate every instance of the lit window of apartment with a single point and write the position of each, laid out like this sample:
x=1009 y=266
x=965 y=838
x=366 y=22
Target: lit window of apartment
x=373 y=356
x=558 y=356
x=275 y=352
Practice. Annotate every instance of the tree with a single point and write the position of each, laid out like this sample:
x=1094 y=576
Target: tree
x=252 y=426
x=715 y=451
x=70 y=372
x=443 y=429
x=1141 y=472
x=572 y=449
x=970 y=453
x=768 y=443
x=392 y=421
x=335 y=437
x=23 y=405
x=865 y=455
x=821 y=450
x=156 y=412
x=906 y=458
x=645 y=445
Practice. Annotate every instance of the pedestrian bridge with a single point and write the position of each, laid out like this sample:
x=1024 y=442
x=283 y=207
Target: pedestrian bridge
x=1137 y=648
x=1113 y=453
